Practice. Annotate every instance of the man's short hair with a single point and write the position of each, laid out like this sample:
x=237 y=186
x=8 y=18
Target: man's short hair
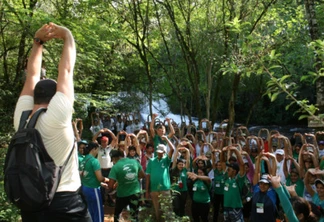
x=116 y=153
x=44 y=91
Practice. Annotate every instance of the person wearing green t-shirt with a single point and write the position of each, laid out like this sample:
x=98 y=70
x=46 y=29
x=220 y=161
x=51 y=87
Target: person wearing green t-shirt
x=219 y=182
x=178 y=174
x=126 y=172
x=293 y=177
x=296 y=209
x=201 y=197
x=158 y=131
x=81 y=146
x=158 y=176
x=92 y=179
x=232 y=188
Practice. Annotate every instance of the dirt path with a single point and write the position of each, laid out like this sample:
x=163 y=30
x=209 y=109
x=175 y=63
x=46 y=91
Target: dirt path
x=146 y=213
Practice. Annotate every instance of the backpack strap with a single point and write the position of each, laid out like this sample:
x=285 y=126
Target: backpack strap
x=67 y=160
x=23 y=118
x=33 y=119
x=32 y=123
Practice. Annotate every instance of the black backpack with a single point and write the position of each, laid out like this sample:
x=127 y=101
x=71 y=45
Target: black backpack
x=31 y=176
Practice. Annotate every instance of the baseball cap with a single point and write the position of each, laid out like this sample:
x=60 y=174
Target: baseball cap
x=321 y=142
x=83 y=142
x=264 y=179
x=104 y=139
x=317 y=181
x=280 y=152
x=161 y=148
x=235 y=166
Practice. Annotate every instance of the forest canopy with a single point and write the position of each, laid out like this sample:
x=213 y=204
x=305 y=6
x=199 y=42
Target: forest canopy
x=252 y=61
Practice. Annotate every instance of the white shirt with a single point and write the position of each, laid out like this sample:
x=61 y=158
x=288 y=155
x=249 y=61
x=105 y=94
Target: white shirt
x=55 y=127
x=280 y=171
x=104 y=157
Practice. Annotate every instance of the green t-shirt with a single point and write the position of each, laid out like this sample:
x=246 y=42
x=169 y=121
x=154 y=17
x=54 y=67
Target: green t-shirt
x=80 y=158
x=159 y=173
x=89 y=166
x=125 y=172
x=201 y=192
x=232 y=193
x=219 y=181
x=299 y=185
x=322 y=165
x=179 y=180
x=252 y=158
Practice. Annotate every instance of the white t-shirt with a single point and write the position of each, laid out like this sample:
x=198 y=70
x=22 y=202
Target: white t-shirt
x=95 y=129
x=280 y=171
x=198 y=148
x=130 y=129
x=104 y=157
x=55 y=127
x=119 y=126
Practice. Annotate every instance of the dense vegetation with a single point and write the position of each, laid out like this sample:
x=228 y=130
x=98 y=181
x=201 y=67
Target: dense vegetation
x=214 y=59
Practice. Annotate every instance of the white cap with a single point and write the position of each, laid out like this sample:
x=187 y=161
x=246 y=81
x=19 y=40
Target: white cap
x=280 y=152
x=161 y=148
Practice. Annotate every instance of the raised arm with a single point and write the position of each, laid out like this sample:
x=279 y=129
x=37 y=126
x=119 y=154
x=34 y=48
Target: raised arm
x=273 y=159
x=256 y=176
x=152 y=130
x=113 y=137
x=174 y=162
x=170 y=146
x=307 y=183
x=172 y=132
x=67 y=61
x=35 y=61
x=239 y=160
x=135 y=143
x=79 y=123
x=285 y=168
x=141 y=134
x=75 y=131
x=94 y=138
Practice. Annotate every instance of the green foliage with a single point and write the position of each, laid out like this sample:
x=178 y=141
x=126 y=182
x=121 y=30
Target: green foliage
x=8 y=212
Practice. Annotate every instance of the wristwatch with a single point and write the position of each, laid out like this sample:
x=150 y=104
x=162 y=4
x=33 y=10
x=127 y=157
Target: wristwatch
x=38 y=41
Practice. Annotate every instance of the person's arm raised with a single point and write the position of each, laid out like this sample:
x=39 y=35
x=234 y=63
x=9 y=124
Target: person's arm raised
x=172 y=132
x=170 y=146
x=152 y=130
x=35 y=61
x=67 y=61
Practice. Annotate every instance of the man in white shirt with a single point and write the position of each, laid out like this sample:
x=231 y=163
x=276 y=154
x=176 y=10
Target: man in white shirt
x=280 y=156
x=104 y=157
x=55 y=124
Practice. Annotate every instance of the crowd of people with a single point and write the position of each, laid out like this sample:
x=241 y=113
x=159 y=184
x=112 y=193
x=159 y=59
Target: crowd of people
x=243 y=177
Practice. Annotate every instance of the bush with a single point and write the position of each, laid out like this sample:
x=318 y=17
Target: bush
x=8 y=212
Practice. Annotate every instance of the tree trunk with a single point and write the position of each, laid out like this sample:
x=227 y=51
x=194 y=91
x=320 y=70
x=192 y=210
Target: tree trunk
x=231 y=105
x=313 y=31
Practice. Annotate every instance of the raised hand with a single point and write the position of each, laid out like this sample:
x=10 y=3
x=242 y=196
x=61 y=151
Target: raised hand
x=57 y=31
x=43 y=33
x=275 y=181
